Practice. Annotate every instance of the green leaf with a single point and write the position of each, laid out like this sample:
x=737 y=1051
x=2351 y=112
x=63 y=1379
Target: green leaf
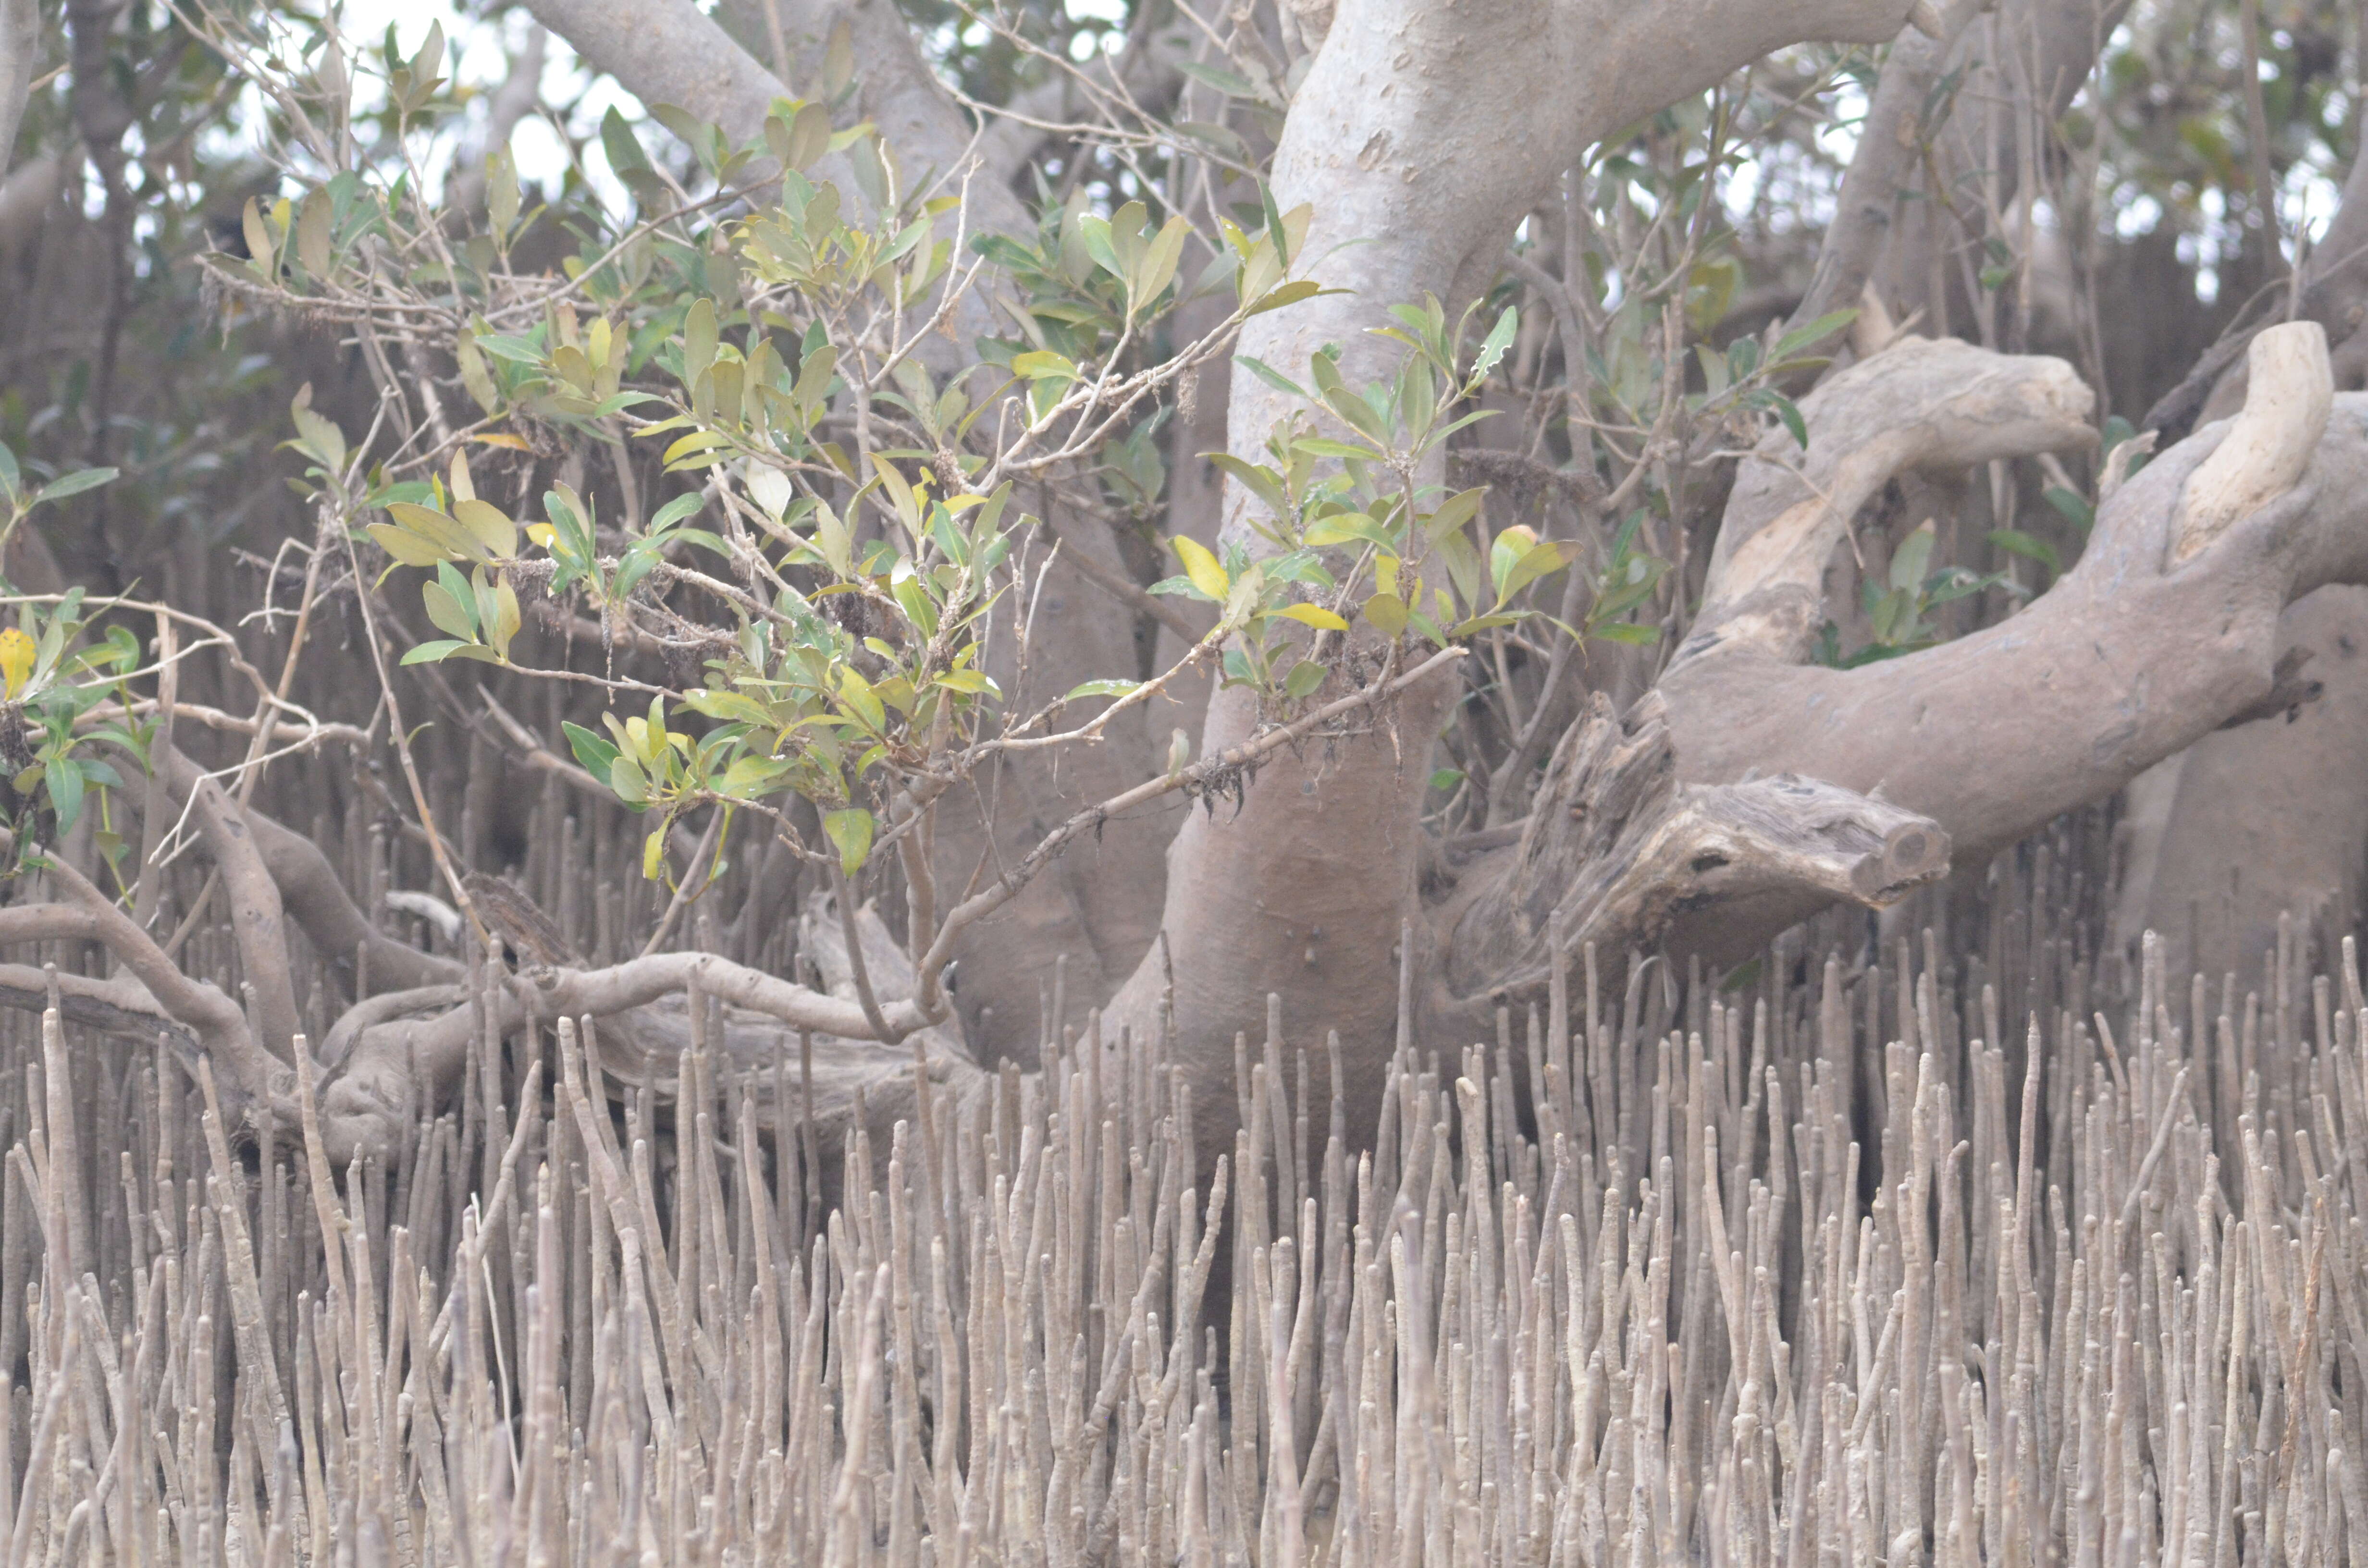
x=1160 y=260
x=1097 y=234
x=452 y=614
x=2030 y=546
x=432 y=653
x=72 y=483
x=446 y=534
x=1910 y=561
x=1453 y=513
x=1259 y=479
x=1349 y=527
x=838 y=61
x=632 y=785
x=1284 y=294
x=697 y=441
x=625 y=155
x=1104 y=689
x=808 y=139
x=831 y=537
x=1305 y=678
x=260 y=247
x=857 y=694
x=1317 y=447
x=852 y=831
x=475 y=376
x=1790 y=416
x=728 y=707
x=676 y=510
x=698 y=340
x=1446 y=777
x=501 y=192
x=1273 y=377
x=595 y=752
x=516 y=350
x=64 y=779
x=1043 y=364
x=2073 y=505
x=313 y=234
x=972 y=683
x=1814 y=332
x=1500 y=338
x=1232 y=83
x=1540 y=560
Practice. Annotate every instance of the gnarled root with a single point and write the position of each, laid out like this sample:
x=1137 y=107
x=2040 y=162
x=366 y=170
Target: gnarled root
x=1617 y=849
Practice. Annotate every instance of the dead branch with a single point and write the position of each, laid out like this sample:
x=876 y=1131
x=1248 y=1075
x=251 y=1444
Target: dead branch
x=1616 y=848
x=1938 y=405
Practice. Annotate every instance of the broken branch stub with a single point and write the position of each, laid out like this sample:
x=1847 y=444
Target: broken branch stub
x=2290 y=390
x=1617 y=850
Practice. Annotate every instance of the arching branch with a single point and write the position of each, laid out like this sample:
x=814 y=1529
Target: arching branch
x=1921 y=404
x=2135 y=654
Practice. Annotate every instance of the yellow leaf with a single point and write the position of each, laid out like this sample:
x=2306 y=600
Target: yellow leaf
x=433 y=530
x=501 y=438
x=16 y=651
x=487 y=523
x=697 y=441
x=1202 y=567
x=405 y=545
x=259 y=243
x=312 y=235
x=1316 y=616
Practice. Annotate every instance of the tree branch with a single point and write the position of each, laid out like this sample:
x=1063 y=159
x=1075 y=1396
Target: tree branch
x=669 y=51
x=2291 y=390
x=21 y=50
x=511 y=102
x=933 y=139
x=1617 y=849
x=1922 y=403
x=117 y=1005
x=1890 y=144
x=2133 y=655
x=219 y=1023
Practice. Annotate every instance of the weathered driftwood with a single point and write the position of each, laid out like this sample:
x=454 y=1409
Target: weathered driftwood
x=2290 y=392
x=1617 y=849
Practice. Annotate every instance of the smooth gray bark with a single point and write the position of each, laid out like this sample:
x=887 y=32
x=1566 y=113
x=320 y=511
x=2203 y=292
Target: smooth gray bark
x=21 y=47
x=1403 y=137
x=2129 y=658
x=2253 y=823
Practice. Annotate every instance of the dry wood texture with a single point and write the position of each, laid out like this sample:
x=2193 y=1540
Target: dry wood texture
x=1839 y=1263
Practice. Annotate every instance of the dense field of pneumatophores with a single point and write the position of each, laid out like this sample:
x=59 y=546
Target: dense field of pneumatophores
x=1958 y=1247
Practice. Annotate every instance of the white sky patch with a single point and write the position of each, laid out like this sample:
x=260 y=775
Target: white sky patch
x=477 y=59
